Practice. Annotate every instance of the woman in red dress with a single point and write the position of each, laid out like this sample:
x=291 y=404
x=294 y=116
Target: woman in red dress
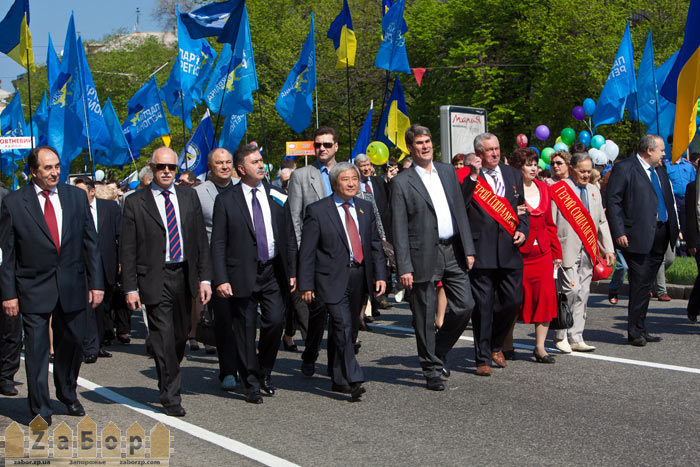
x=541 y=253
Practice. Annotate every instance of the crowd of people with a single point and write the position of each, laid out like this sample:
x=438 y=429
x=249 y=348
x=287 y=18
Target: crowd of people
x=486 y=239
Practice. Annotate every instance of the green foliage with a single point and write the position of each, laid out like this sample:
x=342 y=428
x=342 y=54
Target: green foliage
x=683 y=271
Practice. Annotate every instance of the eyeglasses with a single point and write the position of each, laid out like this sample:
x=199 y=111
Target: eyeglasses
x=325 y=145
x=161 y=167
x=557 y=163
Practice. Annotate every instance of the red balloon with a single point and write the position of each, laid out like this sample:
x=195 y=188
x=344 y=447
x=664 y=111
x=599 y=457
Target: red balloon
x=521 y=139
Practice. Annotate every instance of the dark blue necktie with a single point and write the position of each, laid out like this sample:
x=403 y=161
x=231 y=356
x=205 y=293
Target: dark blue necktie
x=173 y=231
x=584 y=197
x=661 y=205
x=260 y=233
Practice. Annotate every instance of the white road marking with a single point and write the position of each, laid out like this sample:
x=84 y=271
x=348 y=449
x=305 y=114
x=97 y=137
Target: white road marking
x=627 y=361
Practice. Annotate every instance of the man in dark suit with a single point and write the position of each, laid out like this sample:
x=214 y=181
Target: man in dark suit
x=51 y=267
x=642 y=216
x=248 y=247
x=497 y=276
x=339 y=264
x=165 y=261
x=107 y=217
x=432 y=242
x=692 y=235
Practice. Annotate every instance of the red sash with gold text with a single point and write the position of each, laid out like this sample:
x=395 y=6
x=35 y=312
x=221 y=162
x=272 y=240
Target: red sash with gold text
x=495 y=206
x=577 y=216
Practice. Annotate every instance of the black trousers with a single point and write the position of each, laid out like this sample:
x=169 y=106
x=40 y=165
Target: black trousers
x=122 y=314
x=254 y=363
x=68 y=336
x=641 y=273
x=296 y=316
x=318 y=317
x=694 y=300
x=168 y=327
x=10 y=346
x=498 y=294
x=433 y=347
x=225 y=338
x=95 y=324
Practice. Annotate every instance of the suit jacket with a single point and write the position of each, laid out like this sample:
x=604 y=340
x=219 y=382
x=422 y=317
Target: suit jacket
x=691 y=215
x=325 y=253
x=631 y=205
x=305 y=187
x=32 y=270
x=414 y=221
x=233 y=244
x=3 y=192
x=494 y=245
x=570 y=241
x=382 y=198
x=143 y=244
x=109 y=228
x=207 y=193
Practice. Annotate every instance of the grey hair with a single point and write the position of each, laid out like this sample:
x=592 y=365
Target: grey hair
x=579 y=157
x=146 y=172
x=479 y=140
x=360 y=158
x=339 y=168
x=647 y=142
x=416 y=130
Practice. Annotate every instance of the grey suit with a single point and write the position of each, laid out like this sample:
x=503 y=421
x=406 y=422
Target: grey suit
x=207 y=193
x=420 y=251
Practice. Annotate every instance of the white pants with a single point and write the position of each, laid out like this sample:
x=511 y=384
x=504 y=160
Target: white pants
x=581 y=274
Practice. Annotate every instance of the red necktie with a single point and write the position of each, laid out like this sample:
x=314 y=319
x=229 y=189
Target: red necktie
x=368 y=188
x=50 y=216
x=351 y=227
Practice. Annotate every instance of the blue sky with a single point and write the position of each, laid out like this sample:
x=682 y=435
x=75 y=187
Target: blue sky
x=93 y=19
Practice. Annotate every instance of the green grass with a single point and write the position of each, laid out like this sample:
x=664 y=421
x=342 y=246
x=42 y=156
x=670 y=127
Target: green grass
x=682 y=271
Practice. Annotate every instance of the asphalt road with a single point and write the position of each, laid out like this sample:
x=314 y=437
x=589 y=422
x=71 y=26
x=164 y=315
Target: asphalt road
x=619 y=405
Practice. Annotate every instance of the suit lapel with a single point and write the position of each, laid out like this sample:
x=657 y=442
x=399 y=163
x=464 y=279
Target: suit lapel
x=31 y=203
x=335 y=220
x=316 y=183
x=640 y=170
x=149 y=205
x=508 y=184
x=67 y=212
x=273 y=206
x=239 y=199
x=184 y=213
x=212 y=191
x=418 y=185
x=444 y=174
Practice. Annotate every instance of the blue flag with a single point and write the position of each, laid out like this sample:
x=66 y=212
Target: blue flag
x=66 y=105
x=233 y=132
x=191 y=57
x=343 y=36
x=392 y=51
x=206 y=67
x=295 y=101
x=146 y=119
x=118 y=152
x=196 y=153
x=53 y=64
x=667 y=109
x=365 y=136
x=620 y=84
x=12 y=123
x=180 y=104
x=40 y=122
x=95 y=125
x=220 y=19
x=235 y=77
x=641 y=105
x=386 y=6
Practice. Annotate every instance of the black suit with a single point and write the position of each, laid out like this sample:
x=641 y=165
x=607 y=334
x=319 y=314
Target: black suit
x=324 y=267
x=109 y=226
x=382 y=198
x=10 y=337
x=48 y=283
x=497 y=275
x=235 y=260
x=632 y=212
x=165 y=289
x=691 y=239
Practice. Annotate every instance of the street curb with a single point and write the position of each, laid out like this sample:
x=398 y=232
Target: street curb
x=676 y=292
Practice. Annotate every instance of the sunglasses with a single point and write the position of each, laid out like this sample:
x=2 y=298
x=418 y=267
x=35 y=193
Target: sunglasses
x=325 y=145
x=557 y=163
x=161 y=167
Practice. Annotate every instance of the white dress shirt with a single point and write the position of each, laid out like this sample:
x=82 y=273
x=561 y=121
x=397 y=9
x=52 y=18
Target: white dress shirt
x=160 y=203
x=490 y=179
x=432 y=183
x=56 y=202
x=267 y=215
x=93 y=210
x=341 y=212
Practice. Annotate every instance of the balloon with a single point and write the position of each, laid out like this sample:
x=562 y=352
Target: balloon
x=598 y=157
x=542 y=164
x=584 y=138
x=561 y=147
x=536 y=150
x=546 y=153
x=99 y=175
x=578 y=113
x=568 y=136
x=597 y=141
x=611 y=150
x=133 y=184
x=542 y=132
x=378 y=153
x=521 y=139
x=589 y=106
x=546 y=166
x=558 y=140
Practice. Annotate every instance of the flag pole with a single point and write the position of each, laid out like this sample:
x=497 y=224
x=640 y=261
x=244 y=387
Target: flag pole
x=29 y=89
x=264 y=136
x=184 y=133
x=639 y=127
x=347 y=76
x=386 y=93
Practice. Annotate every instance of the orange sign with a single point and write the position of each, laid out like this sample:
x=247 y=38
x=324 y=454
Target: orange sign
x=300 y=148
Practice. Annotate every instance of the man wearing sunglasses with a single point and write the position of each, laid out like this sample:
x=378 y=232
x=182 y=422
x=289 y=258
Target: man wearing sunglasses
x=165 y=261
x=308 y=185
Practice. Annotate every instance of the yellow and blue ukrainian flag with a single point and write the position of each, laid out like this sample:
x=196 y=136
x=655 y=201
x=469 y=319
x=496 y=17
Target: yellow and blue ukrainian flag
x=343 y=36
x=395 y=120
x=15 y=39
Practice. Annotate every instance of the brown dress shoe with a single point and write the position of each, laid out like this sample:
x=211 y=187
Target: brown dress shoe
x=664 y=298
x=483 y=370
x=499 y=359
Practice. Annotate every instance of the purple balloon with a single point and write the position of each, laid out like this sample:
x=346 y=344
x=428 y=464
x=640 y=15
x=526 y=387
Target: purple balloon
x=578 y=113
x=542 y=132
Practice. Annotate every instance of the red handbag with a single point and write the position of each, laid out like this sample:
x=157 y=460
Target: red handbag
x=601 y=270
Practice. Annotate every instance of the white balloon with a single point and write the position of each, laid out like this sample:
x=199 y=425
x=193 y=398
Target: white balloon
x=611 y=150
x=99 y=175
x=597 y=156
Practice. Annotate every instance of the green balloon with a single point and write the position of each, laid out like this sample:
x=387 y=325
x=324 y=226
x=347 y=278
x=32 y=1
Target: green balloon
x=568 y=136
x=542 y=164
x=546 y=153
x=598 y=141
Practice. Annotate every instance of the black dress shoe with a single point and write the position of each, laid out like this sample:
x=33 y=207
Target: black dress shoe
x=308 y=369
x=90 y=358
x=545 y=359
x=124 y=338
x=8 y=389
x=104 y=354
x=445 y=368
x=254 y=397
x=358 y=344
x=266 y=386
x=435 y=384
x=692 y=318
x=75 y=409
x=341 y=388
x=637 y=341
x=652 y=338
x=356 y=391
x=48 y=420
x=289 y=347
x=509 y=354
x=174 y=410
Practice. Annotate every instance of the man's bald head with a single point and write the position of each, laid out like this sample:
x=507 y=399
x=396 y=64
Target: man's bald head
x=164 y=166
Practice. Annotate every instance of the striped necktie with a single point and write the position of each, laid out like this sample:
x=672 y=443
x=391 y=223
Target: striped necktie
x=500 y=189
x=173 y=230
